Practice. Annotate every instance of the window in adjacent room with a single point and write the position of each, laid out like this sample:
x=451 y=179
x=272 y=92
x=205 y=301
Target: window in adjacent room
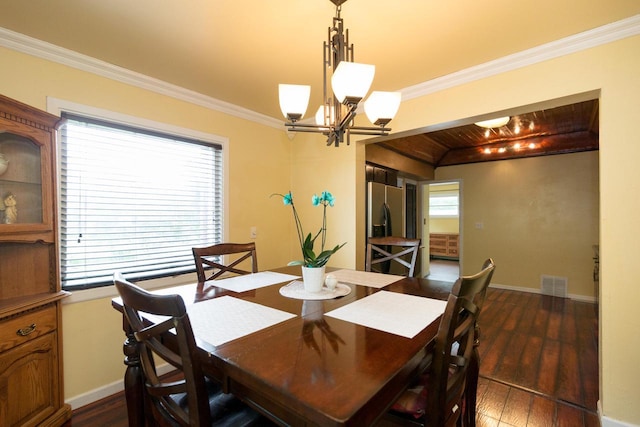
x=134 y=200
x=444 y=200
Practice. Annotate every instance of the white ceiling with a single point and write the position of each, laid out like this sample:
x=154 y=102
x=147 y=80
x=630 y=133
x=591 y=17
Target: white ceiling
x=238 y=51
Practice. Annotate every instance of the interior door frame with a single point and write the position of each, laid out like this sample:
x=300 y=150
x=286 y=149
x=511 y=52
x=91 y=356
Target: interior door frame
x=423 y=226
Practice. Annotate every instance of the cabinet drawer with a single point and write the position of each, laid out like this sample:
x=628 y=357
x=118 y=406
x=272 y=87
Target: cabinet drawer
x=437 y=240
x=438 y=251
x=26 y=327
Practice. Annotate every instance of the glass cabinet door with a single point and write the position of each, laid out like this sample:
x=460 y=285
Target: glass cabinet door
x=25 y=191
x=21 y=181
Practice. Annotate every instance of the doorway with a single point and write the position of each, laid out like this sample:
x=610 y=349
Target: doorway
x=442 y=229
x=522 y=200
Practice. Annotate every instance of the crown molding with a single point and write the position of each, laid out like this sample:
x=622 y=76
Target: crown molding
x=605 y=34
x=588 y=39
x=34 y=47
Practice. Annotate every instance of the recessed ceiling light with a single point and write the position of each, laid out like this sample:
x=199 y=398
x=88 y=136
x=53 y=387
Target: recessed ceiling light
x=493 y=123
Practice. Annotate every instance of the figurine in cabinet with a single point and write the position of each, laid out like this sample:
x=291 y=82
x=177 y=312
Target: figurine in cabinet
x=10 y=209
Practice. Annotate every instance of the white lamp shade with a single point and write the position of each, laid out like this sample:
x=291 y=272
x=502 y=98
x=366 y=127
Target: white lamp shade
x=382 y=105
x=494 y=123
x=352 y=79
x=322 y=119
x=294 y=99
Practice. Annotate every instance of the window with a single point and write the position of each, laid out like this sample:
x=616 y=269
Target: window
x=134 y=201
x=443 y=203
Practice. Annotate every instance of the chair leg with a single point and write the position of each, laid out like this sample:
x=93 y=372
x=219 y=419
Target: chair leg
x=471 y=390
x=133 y=381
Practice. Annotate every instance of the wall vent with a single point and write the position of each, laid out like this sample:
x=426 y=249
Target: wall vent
x=554 y=285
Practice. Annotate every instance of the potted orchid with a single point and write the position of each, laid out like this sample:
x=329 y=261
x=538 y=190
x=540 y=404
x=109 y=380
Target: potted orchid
x=311 y=260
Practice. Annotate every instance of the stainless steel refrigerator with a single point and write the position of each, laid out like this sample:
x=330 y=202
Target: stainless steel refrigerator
x=385 y=214
x=385 y=210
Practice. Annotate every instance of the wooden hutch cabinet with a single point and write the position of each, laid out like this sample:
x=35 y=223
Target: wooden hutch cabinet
x=31 y=389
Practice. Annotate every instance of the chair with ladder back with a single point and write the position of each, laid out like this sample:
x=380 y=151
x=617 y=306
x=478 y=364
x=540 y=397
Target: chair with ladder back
x=210 y=258
x=161 y=326
x=444 y=395
x=381 y=251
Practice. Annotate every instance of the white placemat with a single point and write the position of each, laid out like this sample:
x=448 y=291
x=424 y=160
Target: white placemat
x=248 y=282
x=296 y=290
x=365 y=278
x=223 y=319
x=399 y=314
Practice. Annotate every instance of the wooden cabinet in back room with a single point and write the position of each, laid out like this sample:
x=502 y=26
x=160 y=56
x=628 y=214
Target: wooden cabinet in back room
x=31 y=389
x=443 y=245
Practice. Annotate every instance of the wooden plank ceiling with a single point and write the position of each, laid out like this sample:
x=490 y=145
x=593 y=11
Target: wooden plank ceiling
x=560 y=130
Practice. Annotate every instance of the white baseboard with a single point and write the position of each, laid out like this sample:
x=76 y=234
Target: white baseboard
x=105 y=391
x=581 y=298
x=609 y=422
x=95 y=395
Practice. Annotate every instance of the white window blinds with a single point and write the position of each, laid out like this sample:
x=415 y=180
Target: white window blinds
x=444 y=203
x=134 y=201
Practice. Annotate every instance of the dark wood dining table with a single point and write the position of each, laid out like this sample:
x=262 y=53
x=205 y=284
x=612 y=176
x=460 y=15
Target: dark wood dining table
x=311 y=369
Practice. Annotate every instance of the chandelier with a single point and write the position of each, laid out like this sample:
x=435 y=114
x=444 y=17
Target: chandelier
x=350 y=82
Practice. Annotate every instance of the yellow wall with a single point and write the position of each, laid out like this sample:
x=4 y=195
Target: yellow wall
x=260 y=163
x=444 y=225
x=317 y=168
x=538 y=215
x=263 y=161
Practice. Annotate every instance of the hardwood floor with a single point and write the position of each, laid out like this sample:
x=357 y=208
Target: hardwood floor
x=441 y=269
x=539 y=366
x=108 y=412
x=539 y=361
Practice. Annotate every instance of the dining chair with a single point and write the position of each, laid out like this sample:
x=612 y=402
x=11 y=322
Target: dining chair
x=381 y=251
x=441 y=396
x=186 y=398
x=473 y=372
x=210 y=258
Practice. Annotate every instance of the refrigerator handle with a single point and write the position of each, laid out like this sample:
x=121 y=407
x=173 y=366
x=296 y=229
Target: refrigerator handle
x=386 y=214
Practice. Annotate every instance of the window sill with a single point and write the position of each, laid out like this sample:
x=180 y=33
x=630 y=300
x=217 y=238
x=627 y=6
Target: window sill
x=111 y=292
